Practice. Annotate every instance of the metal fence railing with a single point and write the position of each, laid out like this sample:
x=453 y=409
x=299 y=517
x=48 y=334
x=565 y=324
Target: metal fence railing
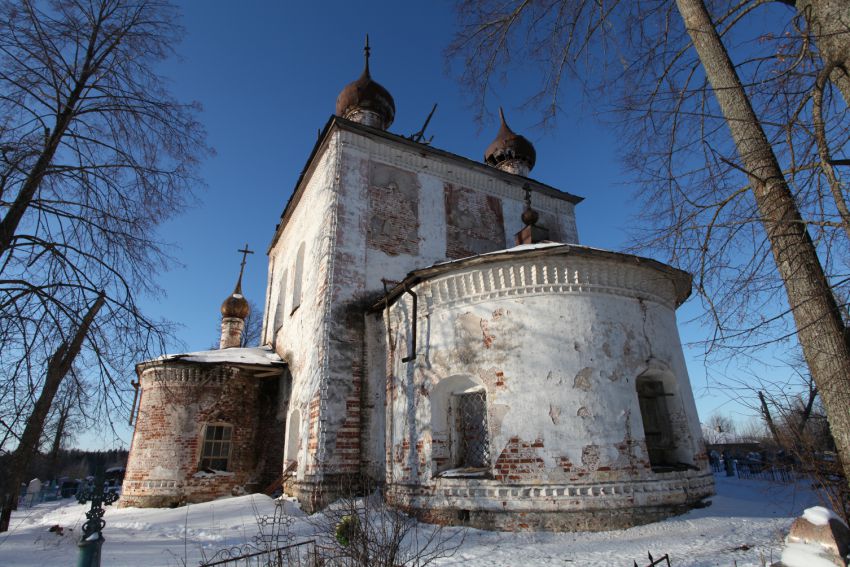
x=302 y=554
x=664 y=559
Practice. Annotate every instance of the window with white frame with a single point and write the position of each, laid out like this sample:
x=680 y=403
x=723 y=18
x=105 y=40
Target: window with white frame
x=215 y=453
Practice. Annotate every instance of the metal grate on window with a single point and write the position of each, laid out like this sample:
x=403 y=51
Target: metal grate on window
x=474 y=437
x=216 y=450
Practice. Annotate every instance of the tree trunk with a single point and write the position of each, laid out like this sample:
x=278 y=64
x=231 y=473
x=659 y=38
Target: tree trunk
x=765 y=412
x=829 y=25
x=10 y=222
x=820 y=328
x=53 y=462
x=57 y=368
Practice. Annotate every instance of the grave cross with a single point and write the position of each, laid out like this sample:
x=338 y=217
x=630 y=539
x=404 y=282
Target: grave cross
x=92 y=538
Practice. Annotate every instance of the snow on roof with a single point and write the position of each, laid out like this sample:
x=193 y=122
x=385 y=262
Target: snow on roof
x=257 y=356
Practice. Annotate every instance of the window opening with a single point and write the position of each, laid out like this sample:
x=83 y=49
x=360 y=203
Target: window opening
x=657 y=428
x=216 y=450
x=299 y=275
x=473 y=436
x=281 y=305
x=293 y=427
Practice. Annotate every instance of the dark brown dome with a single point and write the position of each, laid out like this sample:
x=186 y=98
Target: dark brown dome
x=366 y=94
x=509 y=145
x=235 y=306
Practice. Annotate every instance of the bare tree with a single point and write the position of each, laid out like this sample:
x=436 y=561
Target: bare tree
x=718 y=429
x=67 y=418
x=252 y=333
x=759 y=216
x=58 y=367
x=94 y=154
x=364 y=531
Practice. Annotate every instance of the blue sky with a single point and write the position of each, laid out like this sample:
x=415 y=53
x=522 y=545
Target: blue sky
x=267 y=75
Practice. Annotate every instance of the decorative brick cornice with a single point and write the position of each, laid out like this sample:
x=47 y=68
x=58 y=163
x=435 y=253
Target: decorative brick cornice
x=188 y=373
x=545 y=275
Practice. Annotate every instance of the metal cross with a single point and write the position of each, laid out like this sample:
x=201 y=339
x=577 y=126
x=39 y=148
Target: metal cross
x=245 y=253
x=98 y=495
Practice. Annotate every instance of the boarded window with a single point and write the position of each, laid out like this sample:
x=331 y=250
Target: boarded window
x=473 y=439
x=656 y=422
x=215 y=454
x=297 y=280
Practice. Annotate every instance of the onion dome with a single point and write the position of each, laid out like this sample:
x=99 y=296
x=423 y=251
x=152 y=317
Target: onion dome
x=365 y=101
x=510 y=151
x=236 y=305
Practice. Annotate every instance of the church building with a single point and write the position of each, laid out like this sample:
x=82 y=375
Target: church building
x=433 y=328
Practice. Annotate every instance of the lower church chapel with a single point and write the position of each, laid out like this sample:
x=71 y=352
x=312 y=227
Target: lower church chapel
x=433 y=327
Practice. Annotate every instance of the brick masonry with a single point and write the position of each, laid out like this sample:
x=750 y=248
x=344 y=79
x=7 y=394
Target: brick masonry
x=178 y=399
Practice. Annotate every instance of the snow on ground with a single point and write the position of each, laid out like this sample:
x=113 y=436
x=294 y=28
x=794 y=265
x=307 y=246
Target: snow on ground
x=746 y=522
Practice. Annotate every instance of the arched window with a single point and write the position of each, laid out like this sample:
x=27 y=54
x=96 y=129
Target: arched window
x=473 y=437
x=293 y=431
x=279 y=311
x=299 y=276
x=460 y=435
x=215 y=451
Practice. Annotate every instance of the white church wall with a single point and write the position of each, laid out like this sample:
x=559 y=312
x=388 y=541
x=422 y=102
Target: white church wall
x=557 y=344
x=299 y=335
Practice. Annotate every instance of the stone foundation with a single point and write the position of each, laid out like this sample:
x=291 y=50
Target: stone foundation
x=490 y=505
x=314 y=495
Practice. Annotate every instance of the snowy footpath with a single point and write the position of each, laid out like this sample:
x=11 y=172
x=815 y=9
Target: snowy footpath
x=745 y=524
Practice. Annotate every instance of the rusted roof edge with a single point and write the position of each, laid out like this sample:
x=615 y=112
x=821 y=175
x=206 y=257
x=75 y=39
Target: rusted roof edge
x=682 y=280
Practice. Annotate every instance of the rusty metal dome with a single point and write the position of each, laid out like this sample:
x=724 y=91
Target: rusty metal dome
x=235 y=306
x=366 y=94
x=509 y=145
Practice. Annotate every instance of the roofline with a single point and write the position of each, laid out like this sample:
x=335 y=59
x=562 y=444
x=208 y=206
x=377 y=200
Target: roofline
x=682 y=280
x=337 y=121
x=178 y=360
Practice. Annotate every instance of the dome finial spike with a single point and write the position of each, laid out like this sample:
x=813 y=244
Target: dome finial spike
x=367 y=51
x=502 y=118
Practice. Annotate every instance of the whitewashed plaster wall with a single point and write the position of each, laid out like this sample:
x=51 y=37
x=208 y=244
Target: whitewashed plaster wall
x=301 y=337
x=557 y=342
x=417 y=203
x=340 y=208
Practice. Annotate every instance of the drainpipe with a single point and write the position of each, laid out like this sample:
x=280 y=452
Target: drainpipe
x=412 y=355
